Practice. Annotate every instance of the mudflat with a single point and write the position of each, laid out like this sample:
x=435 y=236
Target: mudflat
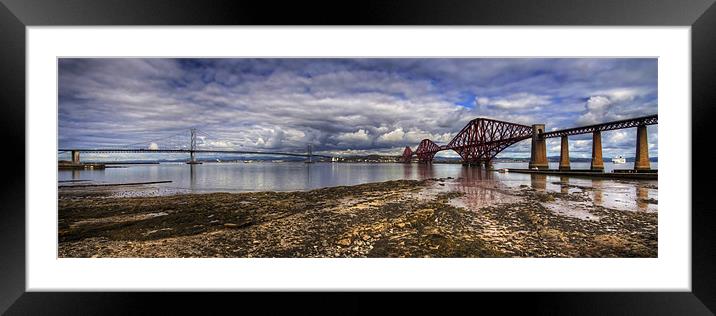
x=404 y=218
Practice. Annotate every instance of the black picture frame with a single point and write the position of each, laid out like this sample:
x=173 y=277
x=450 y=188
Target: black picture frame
x=15 y=15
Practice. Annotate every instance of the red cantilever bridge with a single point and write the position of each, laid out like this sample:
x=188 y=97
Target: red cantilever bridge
x=482 y=139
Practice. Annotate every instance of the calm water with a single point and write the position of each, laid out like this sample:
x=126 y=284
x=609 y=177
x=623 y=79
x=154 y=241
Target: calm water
x=285 y=176
x=481 y=187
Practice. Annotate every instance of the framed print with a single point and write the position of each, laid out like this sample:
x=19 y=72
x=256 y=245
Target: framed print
x=473 y=147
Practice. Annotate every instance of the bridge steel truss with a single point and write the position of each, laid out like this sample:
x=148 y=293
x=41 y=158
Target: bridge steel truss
x=479 y=141
x=635 y=122
x=407 y=154
x=482 y=139
x=427 y=150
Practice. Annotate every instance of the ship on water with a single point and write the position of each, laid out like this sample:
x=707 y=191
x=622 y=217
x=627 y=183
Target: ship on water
x=618 y=159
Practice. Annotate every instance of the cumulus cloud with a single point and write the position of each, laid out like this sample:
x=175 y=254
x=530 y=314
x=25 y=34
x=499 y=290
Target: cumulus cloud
x=616 y=104
x=617 y=136
x=359 y=136
x=394 y=136
x=598 y=104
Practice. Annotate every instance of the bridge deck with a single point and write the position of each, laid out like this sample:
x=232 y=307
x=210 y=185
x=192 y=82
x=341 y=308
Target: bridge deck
x=634 y=122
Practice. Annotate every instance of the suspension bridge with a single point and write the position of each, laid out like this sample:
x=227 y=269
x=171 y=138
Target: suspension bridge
x=198 y=142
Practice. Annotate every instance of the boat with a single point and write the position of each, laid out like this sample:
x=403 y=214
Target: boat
x=618 y=159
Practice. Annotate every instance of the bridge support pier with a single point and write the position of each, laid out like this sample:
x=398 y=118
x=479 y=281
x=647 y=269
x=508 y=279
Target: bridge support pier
x=76 y=157
x=192 y=159
x=641 y=160
x=564 y=154
x=538 y=155
x=597 y=162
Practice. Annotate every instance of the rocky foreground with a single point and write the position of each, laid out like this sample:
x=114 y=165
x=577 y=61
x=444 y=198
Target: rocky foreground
x=389 y=219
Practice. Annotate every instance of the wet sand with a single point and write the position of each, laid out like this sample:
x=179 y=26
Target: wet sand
x=474 y=215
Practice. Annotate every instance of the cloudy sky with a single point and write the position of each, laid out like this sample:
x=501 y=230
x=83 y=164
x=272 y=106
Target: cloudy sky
x=347 y=106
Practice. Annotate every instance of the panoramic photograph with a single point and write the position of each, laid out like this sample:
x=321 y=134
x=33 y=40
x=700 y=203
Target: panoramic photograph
x=357 y=158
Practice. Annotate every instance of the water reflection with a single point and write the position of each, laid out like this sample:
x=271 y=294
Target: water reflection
x=538 y=181
x=470 y=174
x=408 y=171
x=597 y=192
x=642 y=195
x=481 y=187
x=261 y=176
x=564 y=185
x=425 y=171
x=476 y=173
x=308 y=175
x=192 y=177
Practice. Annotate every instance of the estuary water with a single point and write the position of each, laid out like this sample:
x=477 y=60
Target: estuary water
x=283 y=176
x=481 y=187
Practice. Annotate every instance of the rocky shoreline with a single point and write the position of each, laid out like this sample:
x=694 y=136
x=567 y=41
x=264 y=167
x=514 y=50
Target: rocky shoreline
x=404 y=218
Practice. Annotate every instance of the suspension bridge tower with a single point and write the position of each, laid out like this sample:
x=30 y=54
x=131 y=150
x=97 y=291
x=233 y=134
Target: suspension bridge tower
x=192 y=148
x=310 y=155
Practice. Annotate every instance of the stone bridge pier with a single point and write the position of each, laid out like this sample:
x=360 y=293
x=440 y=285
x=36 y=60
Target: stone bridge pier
x=564 y=154
x=641 y=159
x=538 y=154
x=597 y=161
